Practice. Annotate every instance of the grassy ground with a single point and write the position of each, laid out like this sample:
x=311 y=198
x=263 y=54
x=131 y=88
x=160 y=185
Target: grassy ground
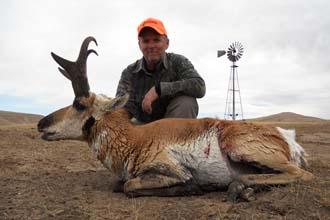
x=63 y=180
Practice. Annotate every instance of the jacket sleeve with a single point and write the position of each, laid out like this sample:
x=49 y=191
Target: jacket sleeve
x=189 y=82
x=124 y=87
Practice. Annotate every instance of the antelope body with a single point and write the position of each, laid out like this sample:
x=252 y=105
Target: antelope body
x=173 y=157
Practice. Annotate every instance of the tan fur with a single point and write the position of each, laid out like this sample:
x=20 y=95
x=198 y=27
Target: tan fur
x=258 y=143
x=145 y=141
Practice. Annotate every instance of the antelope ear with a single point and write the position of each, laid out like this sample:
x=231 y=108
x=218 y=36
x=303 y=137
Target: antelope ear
x=112 y=105
x=116 y=103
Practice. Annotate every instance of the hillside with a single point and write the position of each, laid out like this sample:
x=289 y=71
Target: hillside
x=9 y=118
x=288 y=117
x=64 y=180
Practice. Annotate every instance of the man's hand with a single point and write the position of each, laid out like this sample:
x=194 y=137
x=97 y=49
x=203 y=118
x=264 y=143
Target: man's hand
x=148 y=99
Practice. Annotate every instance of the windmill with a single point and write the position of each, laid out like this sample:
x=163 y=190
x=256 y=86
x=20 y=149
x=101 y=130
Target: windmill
x=233 y=111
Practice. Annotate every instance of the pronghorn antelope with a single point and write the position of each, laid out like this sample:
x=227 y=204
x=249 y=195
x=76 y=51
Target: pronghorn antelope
x=172 y=157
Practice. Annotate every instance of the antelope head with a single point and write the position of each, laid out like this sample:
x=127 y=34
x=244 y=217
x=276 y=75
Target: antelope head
x=70 y=122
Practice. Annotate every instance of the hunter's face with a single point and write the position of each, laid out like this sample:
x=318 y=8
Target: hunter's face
x=153 y=45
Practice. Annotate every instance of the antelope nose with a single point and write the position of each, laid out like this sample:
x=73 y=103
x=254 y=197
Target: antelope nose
x=45 y=122
x=40 y=127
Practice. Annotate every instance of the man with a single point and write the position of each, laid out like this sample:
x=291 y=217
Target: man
x=160 y=85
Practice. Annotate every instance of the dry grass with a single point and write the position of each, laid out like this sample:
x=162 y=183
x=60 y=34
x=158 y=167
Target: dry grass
x=63 y=180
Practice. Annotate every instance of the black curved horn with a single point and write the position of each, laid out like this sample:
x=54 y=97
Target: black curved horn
x=77 y=71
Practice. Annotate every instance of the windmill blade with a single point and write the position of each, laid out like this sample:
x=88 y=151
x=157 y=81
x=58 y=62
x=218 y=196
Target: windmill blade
x=235 y=51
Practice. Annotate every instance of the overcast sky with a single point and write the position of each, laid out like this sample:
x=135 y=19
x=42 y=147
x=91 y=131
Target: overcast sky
x=284 y=68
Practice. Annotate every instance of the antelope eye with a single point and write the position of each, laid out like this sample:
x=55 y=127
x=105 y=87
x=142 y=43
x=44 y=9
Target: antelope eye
x=78 y=106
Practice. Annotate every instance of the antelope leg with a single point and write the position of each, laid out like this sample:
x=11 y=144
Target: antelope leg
x=290 y=173
x=159 y=185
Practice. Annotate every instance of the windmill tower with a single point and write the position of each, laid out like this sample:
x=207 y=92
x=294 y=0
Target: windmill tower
x=234 y=109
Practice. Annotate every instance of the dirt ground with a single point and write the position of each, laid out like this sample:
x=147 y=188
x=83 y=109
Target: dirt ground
x=63 y=180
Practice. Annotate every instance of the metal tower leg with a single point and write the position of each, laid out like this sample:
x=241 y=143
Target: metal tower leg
x=232 y=111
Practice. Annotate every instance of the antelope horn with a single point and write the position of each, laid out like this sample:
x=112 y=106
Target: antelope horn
x=65 y=73
x=76 y=71
x=66 y=64
x=84 y=52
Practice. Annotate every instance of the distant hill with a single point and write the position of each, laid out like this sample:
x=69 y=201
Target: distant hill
x=8 y=118
x=288 y=117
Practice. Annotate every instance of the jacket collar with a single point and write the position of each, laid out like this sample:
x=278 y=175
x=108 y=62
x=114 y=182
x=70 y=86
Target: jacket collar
x=140 y=64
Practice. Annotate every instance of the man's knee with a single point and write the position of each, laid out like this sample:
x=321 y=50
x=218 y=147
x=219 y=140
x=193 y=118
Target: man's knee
x=182 y=107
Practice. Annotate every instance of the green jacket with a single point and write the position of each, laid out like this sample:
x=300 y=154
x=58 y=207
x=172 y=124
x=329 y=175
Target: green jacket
x=175 y=75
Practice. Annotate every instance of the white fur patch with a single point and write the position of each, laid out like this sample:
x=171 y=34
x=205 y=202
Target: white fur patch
x=203 y=158
x=296 y=151
x=99 y=141
x=97 y=144
x=107 y=162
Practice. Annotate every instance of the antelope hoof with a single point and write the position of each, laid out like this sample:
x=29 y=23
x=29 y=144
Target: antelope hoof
x=118 y=187
x=132 y=194
x=248 y=195
x=234 y=191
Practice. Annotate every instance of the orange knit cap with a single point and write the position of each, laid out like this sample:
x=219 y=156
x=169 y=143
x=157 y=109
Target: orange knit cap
x=153 y=23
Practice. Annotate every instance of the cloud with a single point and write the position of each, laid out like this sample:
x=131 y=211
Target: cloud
x=284 y=66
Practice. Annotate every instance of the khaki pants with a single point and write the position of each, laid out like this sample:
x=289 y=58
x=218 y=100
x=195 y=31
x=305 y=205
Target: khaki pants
x=182 y=107
x=179 y=107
